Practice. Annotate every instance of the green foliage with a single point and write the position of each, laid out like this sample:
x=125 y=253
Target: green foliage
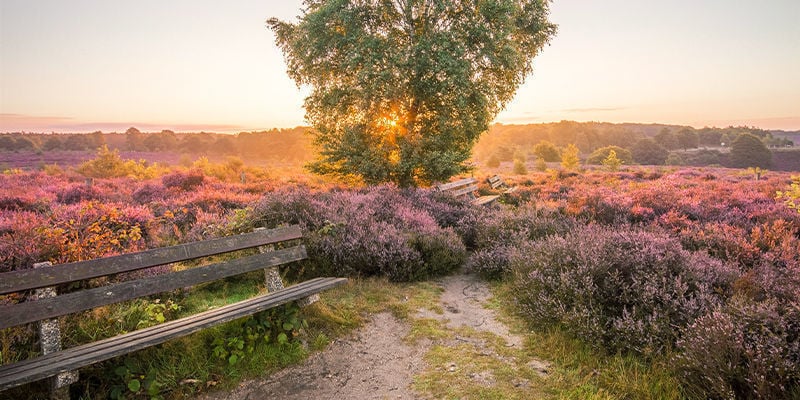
x=519 y=168
x=597 y=156
x=277 y=325
x=540 y=165
x=611 y=162
x=687 y=138
x=674 y=159
x=134 y=381
x=109 y=164
x=569 y=158
x=547 y=151
x=402 y=90
x=156 y=312
x=747 y=150
x=667 y=139
x=648 y=152
x=791 y=196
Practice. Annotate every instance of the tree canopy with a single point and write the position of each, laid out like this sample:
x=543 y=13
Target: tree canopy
x=648 y=152
x=402 y=89
x=747 y=150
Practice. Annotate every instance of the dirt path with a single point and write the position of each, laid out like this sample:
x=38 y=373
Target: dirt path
x=375 y=362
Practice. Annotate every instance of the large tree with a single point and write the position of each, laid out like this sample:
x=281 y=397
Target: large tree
x=401 y=89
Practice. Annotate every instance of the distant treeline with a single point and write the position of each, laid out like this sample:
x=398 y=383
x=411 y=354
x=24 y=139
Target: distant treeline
x=503 y=142
x=687 y=145
x=279 y=145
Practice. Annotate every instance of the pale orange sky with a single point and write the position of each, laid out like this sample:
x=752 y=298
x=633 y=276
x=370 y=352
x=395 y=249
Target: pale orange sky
x=189 y=65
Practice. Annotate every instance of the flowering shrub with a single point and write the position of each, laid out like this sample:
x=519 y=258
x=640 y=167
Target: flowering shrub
x=185 y=181
x=373 y=231
x=621 y=289
x=500 y=233
x=743 y=350
x=91 y=230
x=77 y=193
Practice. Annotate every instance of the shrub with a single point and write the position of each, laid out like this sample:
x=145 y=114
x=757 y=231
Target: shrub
x=77 y=193
x=743 y=350
x=500 y=233
x=547 y=151
x=597 y=156
x=148 y=193
x=185 y=181
x=620 y=290
x=380 y=230
x=569 y=158
x=519 y=168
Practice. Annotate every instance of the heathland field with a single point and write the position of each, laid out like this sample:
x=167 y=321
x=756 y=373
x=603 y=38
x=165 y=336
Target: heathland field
x=647 y=282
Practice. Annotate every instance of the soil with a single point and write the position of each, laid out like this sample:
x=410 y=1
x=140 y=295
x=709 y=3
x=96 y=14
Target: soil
x=375 y=362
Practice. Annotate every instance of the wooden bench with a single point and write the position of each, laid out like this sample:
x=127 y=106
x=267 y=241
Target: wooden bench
x=48 y=306
x=497 y=183
x=466 y=187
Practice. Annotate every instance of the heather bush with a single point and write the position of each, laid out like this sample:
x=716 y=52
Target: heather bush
x=372 y=231
x=21 y=240
x=621 y=289
x=500 y=232
x=743 y=350
x=148 y=193
x=185 y=181
x=76 y=193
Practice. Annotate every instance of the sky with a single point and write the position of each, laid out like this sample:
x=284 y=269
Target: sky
x=191 y=65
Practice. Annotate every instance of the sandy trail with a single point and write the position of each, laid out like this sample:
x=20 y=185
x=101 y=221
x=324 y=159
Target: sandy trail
x=375 y=362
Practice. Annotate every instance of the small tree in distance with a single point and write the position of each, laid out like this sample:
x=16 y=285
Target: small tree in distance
x=648 y=152
x=401 y=90
x=519 y=168
x=569 y=157
x=611 y=162
x=747 y=150
x=547 y=151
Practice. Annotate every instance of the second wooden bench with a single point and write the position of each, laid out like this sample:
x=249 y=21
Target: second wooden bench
x=467 y=187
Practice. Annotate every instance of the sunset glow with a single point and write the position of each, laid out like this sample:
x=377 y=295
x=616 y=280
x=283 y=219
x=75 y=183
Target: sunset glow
x=87 y=65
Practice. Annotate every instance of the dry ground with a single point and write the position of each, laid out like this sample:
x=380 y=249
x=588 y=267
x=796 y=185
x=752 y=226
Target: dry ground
x=379 y=361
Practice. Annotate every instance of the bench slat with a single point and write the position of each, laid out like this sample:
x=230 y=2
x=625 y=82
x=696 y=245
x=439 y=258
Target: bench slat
x=50 y=276
x=54 y=363
x=455 y=184
x=32 y=311
x=466 y=190
x=485 y=199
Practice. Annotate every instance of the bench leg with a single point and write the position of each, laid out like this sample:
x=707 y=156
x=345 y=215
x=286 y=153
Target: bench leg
x=50 y=337
x=274 y=282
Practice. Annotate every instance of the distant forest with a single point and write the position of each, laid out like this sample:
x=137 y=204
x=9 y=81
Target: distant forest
x=706 y=146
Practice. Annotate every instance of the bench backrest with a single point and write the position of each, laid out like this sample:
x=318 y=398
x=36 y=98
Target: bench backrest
x=496 y=182
x=17 y=281
x=461 y=187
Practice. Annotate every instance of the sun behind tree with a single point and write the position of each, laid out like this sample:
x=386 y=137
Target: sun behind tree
x=401 y=90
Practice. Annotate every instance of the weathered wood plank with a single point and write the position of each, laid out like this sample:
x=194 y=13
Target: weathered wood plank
x=18 y=314
x=450 y=185
x=467 y=190
x=54 y=363
x=31 y=279
x=483 y=200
